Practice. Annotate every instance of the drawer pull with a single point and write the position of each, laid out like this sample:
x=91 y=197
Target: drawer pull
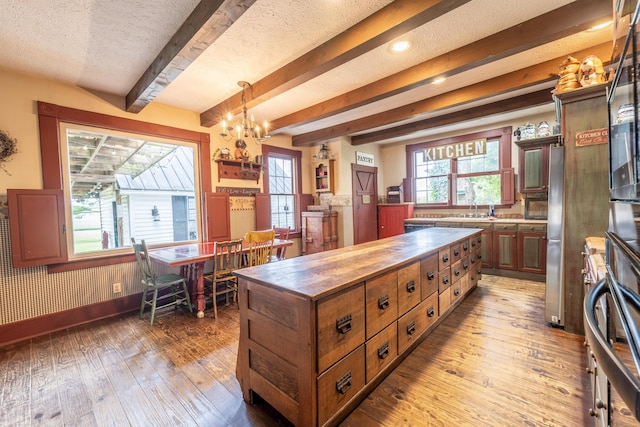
x=344 y=383
x=456 y=252
x=430 y=275
x=456 y=271
x=480 y=239
x=465 y=247
x=383 y=351
x=479 y=256
x=343 y=324
x=383 y=302
x=456 y=292
x=445 y=279
x=445 y=258
x=431 y=312
x=411 y=328
x=473 y=260
x=473 y=244
x=465 y=265
x=411 y=287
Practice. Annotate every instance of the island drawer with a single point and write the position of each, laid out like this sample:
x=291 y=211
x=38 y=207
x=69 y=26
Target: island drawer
x=409 y=289
x=429 y=275
x=415 y=322
x=341 y=325
x=444 y=258
x=456 y=292
x=456 y=271
x=381 y=350
x=381 y=302
x=445 y=279
x=456 y=252
x=444 y=300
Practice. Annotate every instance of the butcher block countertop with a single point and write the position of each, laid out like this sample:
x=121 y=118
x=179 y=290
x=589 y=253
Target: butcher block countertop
x=473 y=220
x=318 y=275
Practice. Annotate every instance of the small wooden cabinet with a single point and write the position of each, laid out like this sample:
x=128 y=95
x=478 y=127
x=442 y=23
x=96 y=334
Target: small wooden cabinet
x=324 y=176
x=319 y=231
x=532 y=248
x=391 y=218
x=534 y=164
x=505 y=246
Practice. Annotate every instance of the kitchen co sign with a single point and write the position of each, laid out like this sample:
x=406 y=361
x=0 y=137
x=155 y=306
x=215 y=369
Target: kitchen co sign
x=459 y=149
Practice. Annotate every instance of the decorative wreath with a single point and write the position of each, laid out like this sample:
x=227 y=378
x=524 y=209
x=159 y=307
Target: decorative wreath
x=8 y=147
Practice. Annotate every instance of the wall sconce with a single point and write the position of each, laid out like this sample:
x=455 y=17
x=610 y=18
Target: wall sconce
x=155 y=213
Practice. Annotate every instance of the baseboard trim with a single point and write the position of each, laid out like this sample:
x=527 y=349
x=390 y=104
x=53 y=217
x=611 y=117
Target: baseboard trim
x=11 y=333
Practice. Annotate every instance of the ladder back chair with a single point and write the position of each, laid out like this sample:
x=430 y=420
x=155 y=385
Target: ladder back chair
x=153 y=284
x=227 y=258
x=260 y=246
x=282 y=233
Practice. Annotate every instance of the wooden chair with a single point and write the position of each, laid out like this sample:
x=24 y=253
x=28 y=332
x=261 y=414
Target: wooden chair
x=260 y=246
x=228 y=257
x=282 y=233
x=177 y=285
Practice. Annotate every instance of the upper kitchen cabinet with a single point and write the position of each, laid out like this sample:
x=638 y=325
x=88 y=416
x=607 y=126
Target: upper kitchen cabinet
x=324 y=176
x=534 y=163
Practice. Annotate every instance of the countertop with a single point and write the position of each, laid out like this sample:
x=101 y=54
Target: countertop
x=473 y=220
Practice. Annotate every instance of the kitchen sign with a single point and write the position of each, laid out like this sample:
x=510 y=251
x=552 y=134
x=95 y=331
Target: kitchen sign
x=592 y=137
x=459 y=149
x=364 y=159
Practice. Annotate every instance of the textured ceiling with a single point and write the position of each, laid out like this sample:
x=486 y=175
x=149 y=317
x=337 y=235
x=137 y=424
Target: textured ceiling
x=107 y=46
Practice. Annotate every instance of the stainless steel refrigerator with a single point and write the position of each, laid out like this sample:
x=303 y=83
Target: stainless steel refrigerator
x=554 y=301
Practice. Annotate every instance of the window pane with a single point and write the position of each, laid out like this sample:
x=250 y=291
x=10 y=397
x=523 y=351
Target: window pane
x=124 y=186
x=432 y=190
x=481 y=190
x=483 y=163
x=280 y=175
x=282 y=211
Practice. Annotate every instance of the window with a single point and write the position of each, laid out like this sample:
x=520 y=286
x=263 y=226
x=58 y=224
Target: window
x=462 y=171
x=127 y=185
x=161 y=146
x=283 y=184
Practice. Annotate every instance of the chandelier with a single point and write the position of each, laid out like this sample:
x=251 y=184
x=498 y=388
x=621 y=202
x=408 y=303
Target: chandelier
x=246 y=128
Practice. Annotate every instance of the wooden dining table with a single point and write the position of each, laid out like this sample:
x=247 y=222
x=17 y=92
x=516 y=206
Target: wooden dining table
x=191 y=259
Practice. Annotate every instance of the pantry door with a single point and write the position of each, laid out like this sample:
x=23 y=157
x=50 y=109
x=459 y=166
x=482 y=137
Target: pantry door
x=365 y=203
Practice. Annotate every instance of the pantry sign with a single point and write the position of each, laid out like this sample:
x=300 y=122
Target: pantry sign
x=459 y=149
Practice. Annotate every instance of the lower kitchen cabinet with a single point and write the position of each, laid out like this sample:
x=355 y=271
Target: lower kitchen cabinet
x=532 y=248
x=505 y=246
x=391 y=218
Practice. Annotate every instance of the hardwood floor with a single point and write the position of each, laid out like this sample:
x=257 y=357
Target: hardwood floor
x=492 y=362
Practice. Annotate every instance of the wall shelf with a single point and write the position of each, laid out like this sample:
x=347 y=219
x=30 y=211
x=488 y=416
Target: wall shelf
x=238 y=169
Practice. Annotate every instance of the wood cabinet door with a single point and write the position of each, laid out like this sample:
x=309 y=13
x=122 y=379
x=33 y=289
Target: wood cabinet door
x=532 y=252
x=390 y=221
x=534 y=169
x=504 y=250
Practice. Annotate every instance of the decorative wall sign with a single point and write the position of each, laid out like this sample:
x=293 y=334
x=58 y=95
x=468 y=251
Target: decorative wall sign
x=364 y=159
x=238 y=191
x=453 y=151
x=592 y=137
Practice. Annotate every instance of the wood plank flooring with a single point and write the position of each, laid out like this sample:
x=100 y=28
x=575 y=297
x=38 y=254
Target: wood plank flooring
x=492 y=362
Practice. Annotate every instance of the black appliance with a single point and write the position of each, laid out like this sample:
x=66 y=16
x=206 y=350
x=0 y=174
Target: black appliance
x=612 y=307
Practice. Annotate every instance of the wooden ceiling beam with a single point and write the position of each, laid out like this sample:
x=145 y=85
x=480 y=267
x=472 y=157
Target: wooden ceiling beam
x=529 y=100
x=559 y=23
x=520 y=79
x=208 y=21
x=395 y=19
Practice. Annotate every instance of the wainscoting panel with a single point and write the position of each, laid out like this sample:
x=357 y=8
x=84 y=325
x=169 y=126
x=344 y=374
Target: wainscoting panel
x=27 y=293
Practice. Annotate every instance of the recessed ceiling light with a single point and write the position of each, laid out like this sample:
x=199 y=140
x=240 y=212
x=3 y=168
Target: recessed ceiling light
x=400 y=46
x=600 y=26
x=438 y=80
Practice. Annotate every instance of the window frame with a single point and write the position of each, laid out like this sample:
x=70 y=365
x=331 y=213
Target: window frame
x=296 y=157
x=49 y=118
x=503 y=135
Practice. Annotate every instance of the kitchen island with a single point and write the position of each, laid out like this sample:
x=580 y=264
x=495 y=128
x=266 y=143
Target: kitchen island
x=319 y=332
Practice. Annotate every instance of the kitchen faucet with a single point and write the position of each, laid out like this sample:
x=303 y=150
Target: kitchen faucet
x=471 y=214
